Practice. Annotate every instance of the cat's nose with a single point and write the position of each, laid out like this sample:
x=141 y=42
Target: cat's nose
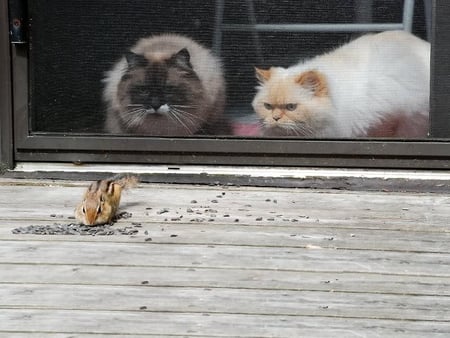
x=155 y=103
x=277 y=114
x=276 y=117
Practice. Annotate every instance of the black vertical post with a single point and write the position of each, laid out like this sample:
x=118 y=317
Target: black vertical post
x=6 y=124
x=440 y=70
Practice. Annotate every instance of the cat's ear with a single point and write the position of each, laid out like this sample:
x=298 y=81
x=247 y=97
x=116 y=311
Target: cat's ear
x=314 y=81
x=182 y=58
x=263 y=75
x=134 y=60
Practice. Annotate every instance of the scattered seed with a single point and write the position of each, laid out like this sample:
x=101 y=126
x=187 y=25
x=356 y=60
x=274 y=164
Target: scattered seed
x=144 y=282
x=173 y=235
x=123 y=215
x=148 y=239
x=193 y=201
x=259 y=218
x=74 y=229
x=214 y=201
x=162 y=211
x=143 y=308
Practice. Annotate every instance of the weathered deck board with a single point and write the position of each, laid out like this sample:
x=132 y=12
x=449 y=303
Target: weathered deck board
x=216 y=300
x=212 y=325
x=426 y=212
x=225 y=278
x=296 y=263
x=301 y=236
x=224 y=256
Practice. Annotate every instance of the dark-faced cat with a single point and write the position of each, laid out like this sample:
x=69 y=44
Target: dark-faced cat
x=166 y=85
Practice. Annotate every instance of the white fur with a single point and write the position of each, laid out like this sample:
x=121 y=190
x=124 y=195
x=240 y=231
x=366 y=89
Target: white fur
x=111 y=81
x=368 y=79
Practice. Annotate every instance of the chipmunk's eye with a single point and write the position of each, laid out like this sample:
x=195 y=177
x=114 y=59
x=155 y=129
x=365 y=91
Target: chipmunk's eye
x=268 y=106
x=291 y=106
x=83 y=210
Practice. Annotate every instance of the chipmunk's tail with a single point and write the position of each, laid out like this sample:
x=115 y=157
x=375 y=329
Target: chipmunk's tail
x=126 y=181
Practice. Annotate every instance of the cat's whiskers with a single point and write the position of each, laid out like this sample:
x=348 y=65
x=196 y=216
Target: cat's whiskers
x=185 y=117
x=134 y=110
x=187 y=114
x=177 y=115
x=134 y=117
x=301 y=129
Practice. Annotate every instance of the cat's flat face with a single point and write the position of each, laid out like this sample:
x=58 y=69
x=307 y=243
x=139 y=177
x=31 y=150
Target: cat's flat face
x=161 y=96
x=291 y=104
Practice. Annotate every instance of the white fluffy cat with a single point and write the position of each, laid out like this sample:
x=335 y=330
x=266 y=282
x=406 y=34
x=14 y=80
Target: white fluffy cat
x=376 y=85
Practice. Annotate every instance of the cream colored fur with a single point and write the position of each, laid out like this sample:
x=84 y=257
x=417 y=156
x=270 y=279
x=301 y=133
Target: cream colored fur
x=361 y=83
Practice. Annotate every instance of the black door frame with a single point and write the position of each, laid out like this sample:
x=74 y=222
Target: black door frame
x=18 y=144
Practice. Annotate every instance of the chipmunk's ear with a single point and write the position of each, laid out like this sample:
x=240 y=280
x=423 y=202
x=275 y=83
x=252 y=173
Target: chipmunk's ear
x=263 y=75
x=111 y=188
x=314 y=81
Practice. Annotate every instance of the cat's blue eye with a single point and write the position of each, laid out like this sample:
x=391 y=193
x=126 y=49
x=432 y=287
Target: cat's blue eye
x=268 y=106
x=291 y=106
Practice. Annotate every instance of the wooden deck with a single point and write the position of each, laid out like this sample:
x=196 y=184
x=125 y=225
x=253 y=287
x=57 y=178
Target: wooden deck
x=241 y=262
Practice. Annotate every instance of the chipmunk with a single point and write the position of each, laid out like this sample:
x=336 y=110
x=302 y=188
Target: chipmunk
x=101 y=200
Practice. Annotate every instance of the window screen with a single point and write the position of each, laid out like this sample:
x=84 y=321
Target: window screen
x=96 y=67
